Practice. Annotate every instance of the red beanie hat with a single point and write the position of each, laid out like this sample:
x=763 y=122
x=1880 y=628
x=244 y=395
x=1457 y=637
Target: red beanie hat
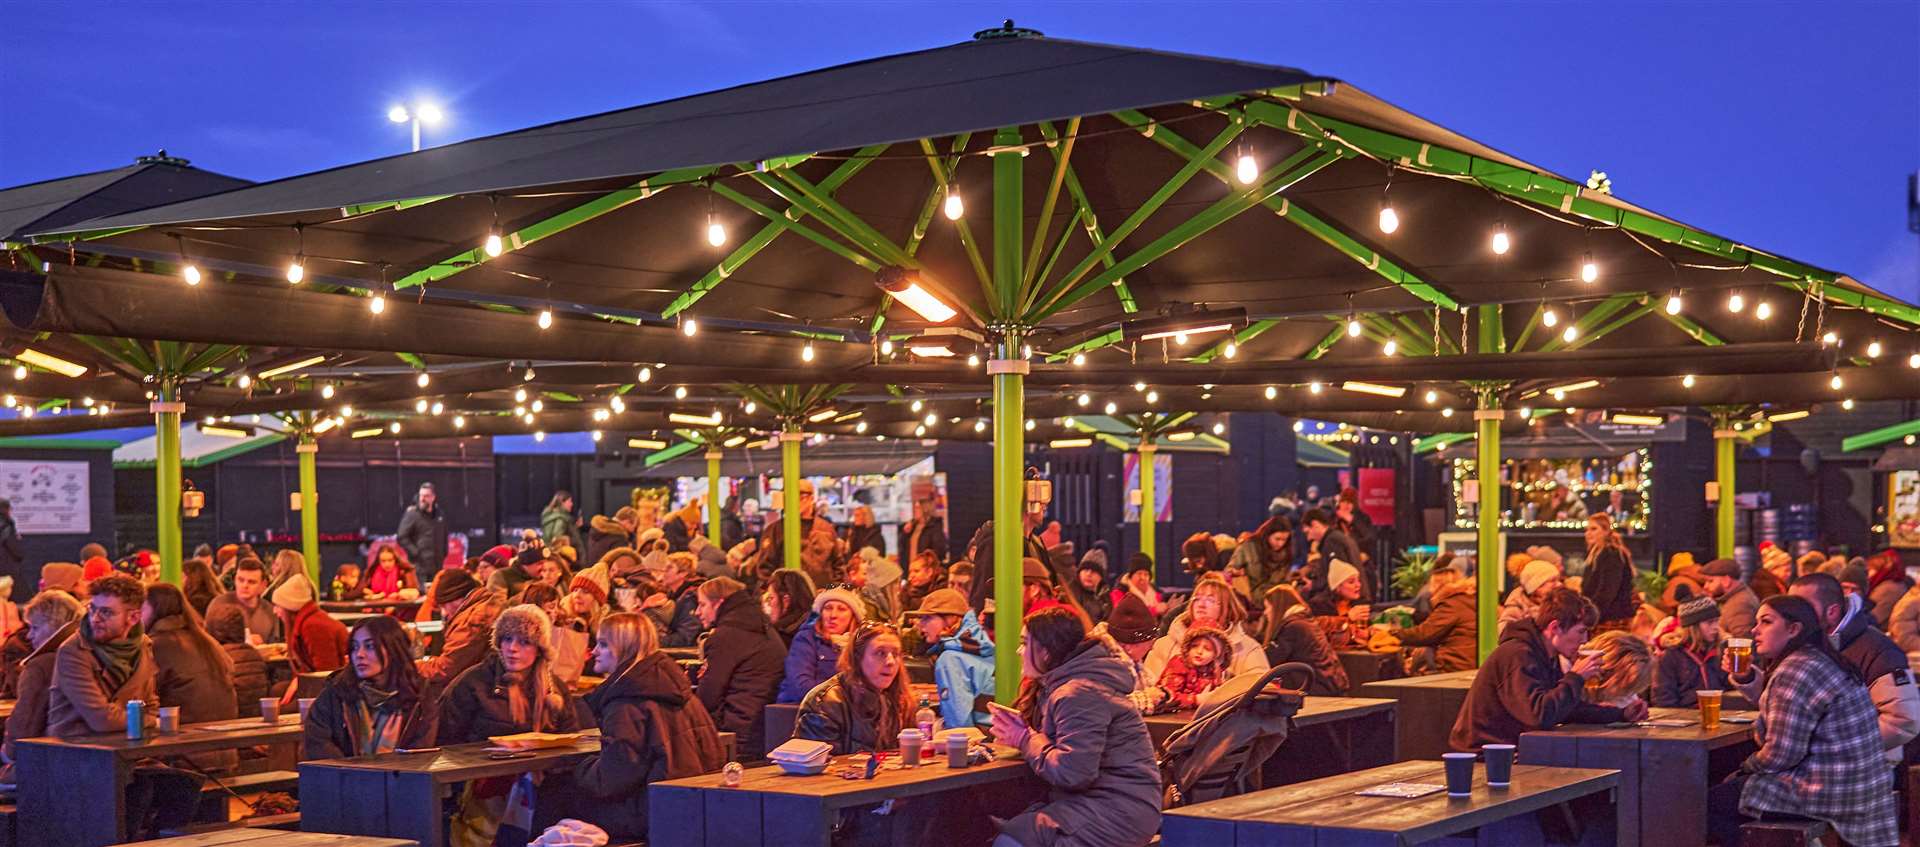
x=95 y=568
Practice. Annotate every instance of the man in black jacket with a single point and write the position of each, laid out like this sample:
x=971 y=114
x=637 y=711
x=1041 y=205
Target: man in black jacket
x=423 y=534
x=745 y=661
x=1328 y=543
x=1521 y=688
x=1871 y=655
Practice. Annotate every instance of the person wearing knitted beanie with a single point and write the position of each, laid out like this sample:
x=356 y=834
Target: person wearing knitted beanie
x=1690 y=655
x=315 y=641
x=513 y=690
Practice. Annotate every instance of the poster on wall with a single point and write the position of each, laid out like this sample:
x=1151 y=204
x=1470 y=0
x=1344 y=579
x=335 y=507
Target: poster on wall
x=1903 y=509
x=1162 y=486
x=1376 y=494
x=49 y=498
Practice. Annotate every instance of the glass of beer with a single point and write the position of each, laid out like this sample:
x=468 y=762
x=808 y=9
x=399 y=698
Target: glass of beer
x=1709 y=709
x=1740 y=655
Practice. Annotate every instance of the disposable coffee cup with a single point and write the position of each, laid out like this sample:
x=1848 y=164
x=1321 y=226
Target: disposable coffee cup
x=270 y=709
x=911 y=741
x=1499 y=764
x=305 y=704
x=169 y=719
x=956 y=749
x=1459 y=773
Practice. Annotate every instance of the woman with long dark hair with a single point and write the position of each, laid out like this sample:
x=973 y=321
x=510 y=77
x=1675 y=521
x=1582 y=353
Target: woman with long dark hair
x=388 y=572
x=1290 y=635
x=1268 y=556
x=190 y=669
x=199 y=583
x=863 y=707
x=377 y=703
x=514 y=690
x=1609 y=579
x=1077 y=728
x=787 y=602
x=1819 y=750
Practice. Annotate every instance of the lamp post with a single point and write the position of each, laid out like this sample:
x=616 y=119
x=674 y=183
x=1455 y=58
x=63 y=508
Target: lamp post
x=420 y=113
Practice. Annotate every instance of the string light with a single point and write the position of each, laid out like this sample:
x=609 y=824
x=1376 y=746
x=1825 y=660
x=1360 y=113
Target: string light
x=750 y=407
x=1913 y=360
x=1315 y=387
x=679 y=392
x=917 y=405
x=1673 y=303
x=1246 y=169
x=1392 y=346
x=973 y=360
x=1079 y=359
x=1084 y=399
x=1588 y=270
x=1501 y=242
x=1847 y=404
x=1837 y=382
x=394 y=427
x=1111 y=408
x=1550 y=318
x=297 y=269
x=1735 y=302
x=420 y=405
x=806 y=352
x=1687 y=381
x=326 y=391
x=546 y=318
x=377 y=304
x=886 y=346
x=980 y=425
x=346 y=411
x=537 y=405
x=1353 y=326
x=689 y=327
x=1230 y=349
x=954 y=207
x=1389 y=219
x=244 y=380
x=1572 y=333
x=1153 y=397
x=716 y=233
x=1763 y=310
x=1432 y=396
x=191 y=274
x=1830 y=339
x=617 y=405
x=646 y=374
x=1139 y=387
x=860 y=428
x=1873 y=349
x=1272 y=392
x=422 y=379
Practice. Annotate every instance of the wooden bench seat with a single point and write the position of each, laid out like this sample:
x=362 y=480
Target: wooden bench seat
x=1786 y=834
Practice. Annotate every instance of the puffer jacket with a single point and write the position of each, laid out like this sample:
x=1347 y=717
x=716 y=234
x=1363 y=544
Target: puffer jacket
x=810 y=660
x=677 y=621
x=476 y=707
x=829 y=714
x=1299 y=639
x=556 y=525
x=744 y=659
x=469 y=638
x=1521 y=688
x=80 y=703
x=29 y=718
x=651 y=728
x=250 y=679
x=1873 y=657
x=603 y=534
x=1904 y=626
x=328 y=734
x=1452 y=630
x=1248 y=657
x=1093 y=751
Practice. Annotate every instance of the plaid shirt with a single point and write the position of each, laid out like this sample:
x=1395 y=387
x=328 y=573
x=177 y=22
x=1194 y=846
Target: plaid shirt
x=1820 y=752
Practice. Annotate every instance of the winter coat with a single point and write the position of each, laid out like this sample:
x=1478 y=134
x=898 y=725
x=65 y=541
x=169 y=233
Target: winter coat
x=679 y=621
x=744 y=661
x=1299 y=639
x=1334 y=545
x=476 y=707
x=1819 y=755
x=1248 y=657
x=1882 y=598
x=1518 y=607
x=1679 y=672
x=1092 y=749
x=250 y=679
x=260 y=620
x=329 y=735
x=423 y=535
x=1904 y=626
x=1264 y=567
x=1452 y=629
x=80 y=703
x=511 y=580
x=810 y=660
x=468 y=638
x=828 y=714
x=1874 y=658
x=29 y=718
x=963 y=670
x=651 y=728
x=1609 y=584
x=1737 y=610
x=182 y=678
x=916 y=536
x=604 y=534
x=14 y=650
x=556 y=525
x=315 y=641
x=1521 y=688
x=861 y=537
x=12 y=554
x=910 y=596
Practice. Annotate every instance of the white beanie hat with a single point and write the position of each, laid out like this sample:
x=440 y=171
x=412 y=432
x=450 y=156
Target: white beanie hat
x=1536 y=574
x=294 y=594
x=843 y=595
x=1339 y=572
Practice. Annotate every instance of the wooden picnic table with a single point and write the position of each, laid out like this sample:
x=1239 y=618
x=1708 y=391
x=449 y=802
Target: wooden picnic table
x=777 y=719
x=1428 y=707
x=1664 y=771
x=252 y=837
x=1331 y=735
x=377 y=606
x=399 y=795
x=1364 y=666
x=772 y=808
x=74 y=790
x=1328 y=811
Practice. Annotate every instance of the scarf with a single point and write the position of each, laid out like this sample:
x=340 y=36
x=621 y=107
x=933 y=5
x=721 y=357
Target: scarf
x=118 y=659
x=374 y=722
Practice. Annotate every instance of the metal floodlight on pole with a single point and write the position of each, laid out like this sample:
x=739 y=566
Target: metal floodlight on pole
x=1180 y=325
x=419 y=114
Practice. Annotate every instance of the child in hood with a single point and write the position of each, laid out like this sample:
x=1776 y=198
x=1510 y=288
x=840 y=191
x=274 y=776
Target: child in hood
x=1199 y=668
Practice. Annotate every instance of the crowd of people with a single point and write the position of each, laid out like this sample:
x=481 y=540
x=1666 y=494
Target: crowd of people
x=530 y=627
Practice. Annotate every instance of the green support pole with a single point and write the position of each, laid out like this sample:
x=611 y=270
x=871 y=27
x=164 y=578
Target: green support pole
x=1008 y=369
x=1490 y=567
x=790 y=498
x=1149 y=516
x=713 y=496
x=1724 y=441
x=167 y=409
x=307 y=450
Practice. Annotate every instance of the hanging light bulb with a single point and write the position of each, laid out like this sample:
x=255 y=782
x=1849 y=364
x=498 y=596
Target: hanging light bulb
x=191 y=273
x=917 y=405
x=932 y=419
x=1432 y=396
x=1830 y=338
x=1153 y=397
x=1501 y=243
x=1913 y=360
x=1272 y=392
x=493 y=244
x=297 y=270
x=1673 y=303
x=1847 y=404
x=1391 y=347
x=1315 y=387
x=394 y=427
x=1111 y=408
x=346 y=411
x=1837 y=382
x=537 y=405
x=519 y=395
x=1687 y=381
x=546 y=318
x=1572 y=333
x=973 y=360
x=244 y=381
x=646 y=374
x=1550 y=318
x=1389 y=219
x=377 y=304
x=422 y=379
x=679 y=392
x=1353 y=327
x=689 y=326
x=1180 y=338
x=1735 y=302
x=1246 y=169
x=806 y=352
x=1588 y=270
x=954 y=207
x=1084 y=399
x=886 y=346
x=1763 y=310
x=1230 y=349
x=326 y=391
x=1873 y=349
x=1139 y=387
x=716 y=232
x=420 y=405
x=1079 y=359
x=750 y=407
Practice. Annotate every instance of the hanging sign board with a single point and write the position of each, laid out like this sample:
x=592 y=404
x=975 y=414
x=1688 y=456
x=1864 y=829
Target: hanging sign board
x=1376 y=494
x=49 y=498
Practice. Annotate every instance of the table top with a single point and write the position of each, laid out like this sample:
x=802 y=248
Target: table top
x=1456 y=679
x=838 y=792
x=369 y=605
x=1330 y=805
x=462 y=762
x=192 y=738
x=1313 y=710
x=251 y=837
x=1722 y=736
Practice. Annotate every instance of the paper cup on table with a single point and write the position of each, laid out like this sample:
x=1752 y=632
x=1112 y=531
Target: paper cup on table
x=1459 y=773
x=305 y=704
x=1499 y=764
x=270 y=709
x=169 y=719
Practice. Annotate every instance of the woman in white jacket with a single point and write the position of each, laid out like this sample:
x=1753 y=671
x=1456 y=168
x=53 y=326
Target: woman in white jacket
x=1213 y=604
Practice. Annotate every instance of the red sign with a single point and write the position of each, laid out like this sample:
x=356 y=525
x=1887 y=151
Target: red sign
x=1376 y=494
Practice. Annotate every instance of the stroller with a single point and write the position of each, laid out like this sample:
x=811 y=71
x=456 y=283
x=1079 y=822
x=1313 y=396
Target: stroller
x=1220 y=753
